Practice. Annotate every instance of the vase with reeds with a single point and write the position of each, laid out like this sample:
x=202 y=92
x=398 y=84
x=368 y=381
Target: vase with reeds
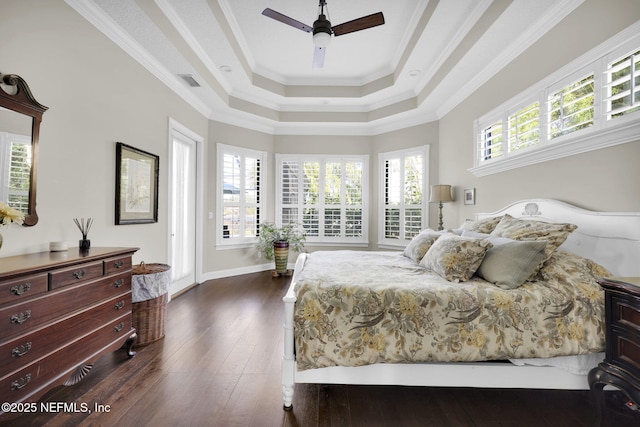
x=84 y=227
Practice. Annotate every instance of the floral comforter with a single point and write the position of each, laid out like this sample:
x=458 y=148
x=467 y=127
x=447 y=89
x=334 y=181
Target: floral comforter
x=358 y=308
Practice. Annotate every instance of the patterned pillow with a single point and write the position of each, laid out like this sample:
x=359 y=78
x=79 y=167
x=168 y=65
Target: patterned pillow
x=525 y=229
x=454 y=257
x=565 y=267
x=420 y=244
x=485 y=225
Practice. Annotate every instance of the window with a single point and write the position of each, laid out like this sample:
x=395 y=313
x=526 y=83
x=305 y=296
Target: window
x=325 y=195
x=571 y=108
x=524 y=127
x=623 y=86
x=239 y=195
x=403 y=207
x=15 y=157
x=490 y=141
x=591 y=103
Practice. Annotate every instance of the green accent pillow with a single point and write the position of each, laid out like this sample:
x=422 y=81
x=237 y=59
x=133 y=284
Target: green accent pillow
x=509 y=263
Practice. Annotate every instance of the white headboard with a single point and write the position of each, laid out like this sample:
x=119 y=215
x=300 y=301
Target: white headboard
x=612 y=239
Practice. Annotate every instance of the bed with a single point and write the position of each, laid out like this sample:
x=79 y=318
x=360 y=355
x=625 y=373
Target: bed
x=338 y=330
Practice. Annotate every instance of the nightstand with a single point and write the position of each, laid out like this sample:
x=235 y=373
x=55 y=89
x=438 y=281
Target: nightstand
x=621 y=366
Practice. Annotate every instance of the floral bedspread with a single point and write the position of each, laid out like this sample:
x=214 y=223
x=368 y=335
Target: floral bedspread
x=358 y=308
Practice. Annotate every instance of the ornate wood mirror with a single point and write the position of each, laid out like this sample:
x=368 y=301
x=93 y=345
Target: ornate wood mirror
x=20 y=117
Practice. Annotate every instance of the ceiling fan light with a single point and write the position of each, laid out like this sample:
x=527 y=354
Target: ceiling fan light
x=321 y=39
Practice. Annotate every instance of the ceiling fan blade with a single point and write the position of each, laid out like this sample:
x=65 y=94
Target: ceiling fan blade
x=359 y=24
x=286 y=20
x=318 y=57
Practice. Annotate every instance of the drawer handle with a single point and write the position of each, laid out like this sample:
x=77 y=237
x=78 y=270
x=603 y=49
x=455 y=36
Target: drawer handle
x=120 y=305
x=119 y=327
x=20 y=383
x=21 y=350
x=118 y=264
x=21 y=289
x=79 y=274
x=19 y=319
x=118 y=283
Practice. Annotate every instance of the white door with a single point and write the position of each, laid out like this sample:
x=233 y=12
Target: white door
x=182 y=207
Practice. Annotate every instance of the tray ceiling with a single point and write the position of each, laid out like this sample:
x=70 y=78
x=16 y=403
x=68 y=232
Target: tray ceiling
x=256 y=72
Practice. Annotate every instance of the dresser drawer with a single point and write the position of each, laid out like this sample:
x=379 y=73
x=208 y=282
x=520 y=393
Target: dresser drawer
x=117 y=265
x=19 y=319
x=33 y=346
x=24 y=287
x=61 y=364
x=75 y=274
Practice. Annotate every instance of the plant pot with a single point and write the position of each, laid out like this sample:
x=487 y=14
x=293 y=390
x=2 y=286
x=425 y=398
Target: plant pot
x=281 y=255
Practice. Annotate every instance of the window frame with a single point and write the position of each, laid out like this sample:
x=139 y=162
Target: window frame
x=7 y=140
x=601 y=134
x=222 y=150
x=401 y=242
x=323 y=159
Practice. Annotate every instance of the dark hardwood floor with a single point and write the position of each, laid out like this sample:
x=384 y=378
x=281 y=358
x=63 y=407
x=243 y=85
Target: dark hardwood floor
x=219 y=365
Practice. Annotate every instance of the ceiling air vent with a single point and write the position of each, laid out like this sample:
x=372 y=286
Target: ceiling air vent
x=188 y=78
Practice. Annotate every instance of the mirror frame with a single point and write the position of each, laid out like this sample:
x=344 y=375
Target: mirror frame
x=22 y=101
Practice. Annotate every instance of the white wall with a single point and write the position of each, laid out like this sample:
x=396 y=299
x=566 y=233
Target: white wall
x=606 y=179
x=96 y=95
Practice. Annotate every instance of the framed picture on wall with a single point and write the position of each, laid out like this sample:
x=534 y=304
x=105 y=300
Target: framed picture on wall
x=136 y=185
x=470 y=196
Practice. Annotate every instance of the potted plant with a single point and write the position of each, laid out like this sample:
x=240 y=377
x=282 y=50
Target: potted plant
x=274 y=243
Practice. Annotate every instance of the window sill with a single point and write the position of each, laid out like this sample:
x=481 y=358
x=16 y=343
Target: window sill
x=393 y=247
x=575 y=144
x=359 y=244
x=231 y=246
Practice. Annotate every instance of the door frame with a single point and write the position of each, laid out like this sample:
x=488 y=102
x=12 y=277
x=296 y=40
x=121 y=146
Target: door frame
x=177 y=127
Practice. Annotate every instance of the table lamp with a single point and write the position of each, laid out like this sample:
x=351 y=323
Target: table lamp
x=440 y=194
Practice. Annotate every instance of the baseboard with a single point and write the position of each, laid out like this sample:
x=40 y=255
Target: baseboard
x=239 y=271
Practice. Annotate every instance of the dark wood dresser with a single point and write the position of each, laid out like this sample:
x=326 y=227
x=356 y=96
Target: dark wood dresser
x=59 y=312
x=621 y=366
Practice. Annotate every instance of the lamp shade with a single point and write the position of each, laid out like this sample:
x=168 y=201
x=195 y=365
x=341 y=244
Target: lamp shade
x=440 y=194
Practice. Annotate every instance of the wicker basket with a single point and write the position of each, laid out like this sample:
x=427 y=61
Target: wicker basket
x=148 y=315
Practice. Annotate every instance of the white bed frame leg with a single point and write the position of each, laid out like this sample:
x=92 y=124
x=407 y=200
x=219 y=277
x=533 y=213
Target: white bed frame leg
x=288 y=357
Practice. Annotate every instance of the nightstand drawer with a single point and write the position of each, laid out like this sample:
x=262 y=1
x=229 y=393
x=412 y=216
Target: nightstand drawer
x=627 y=355
x=626 y=312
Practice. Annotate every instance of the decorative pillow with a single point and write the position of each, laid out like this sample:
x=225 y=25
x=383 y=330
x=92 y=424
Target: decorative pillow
x=454 y=257
x=485 y=225
x=420 y=244
x=509 y=263
x=525 y=229
x=566 y=267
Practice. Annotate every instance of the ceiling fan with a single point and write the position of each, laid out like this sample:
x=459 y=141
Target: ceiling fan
x=322 y=29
